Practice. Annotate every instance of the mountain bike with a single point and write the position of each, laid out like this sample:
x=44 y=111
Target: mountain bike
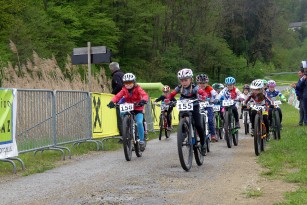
x=130 y=132
x=260 y=132
x=219 y=127
x=231 y=133
x=204 y=113
x=246 y=120
x=187 y=136
x=163 y=119
x=275 y=124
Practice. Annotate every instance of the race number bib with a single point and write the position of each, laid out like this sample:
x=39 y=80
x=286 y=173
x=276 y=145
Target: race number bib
x=184 y=105
x=277 y=102
x=164 y=107
x=216 y=108
x=126 y=107
x=258 y=108
x=203 y=105
x=227 y=103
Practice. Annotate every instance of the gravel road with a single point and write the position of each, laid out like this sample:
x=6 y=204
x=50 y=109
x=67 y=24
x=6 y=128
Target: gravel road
x=156 y=178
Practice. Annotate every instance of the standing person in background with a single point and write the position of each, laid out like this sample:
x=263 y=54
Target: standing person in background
x=304 y=86
x=117 y=85
x=299 y=89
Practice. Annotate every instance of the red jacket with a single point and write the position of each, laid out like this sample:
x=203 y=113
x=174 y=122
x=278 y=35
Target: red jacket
x=137 y=95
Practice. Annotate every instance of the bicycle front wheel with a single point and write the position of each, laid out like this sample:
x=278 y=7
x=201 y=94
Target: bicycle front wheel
x=161 y=126
x=184 y=144
x=257 y=135
x=277 y=126
x=167 y=131
x=246 y=125
x=127 y=137
x=227 y=125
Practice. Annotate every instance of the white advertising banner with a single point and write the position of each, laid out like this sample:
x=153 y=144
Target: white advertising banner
x=8 y=106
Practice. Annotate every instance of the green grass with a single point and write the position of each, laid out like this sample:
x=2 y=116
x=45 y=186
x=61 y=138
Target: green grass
x=285 y=79
x=287 y=159
x=253 y=193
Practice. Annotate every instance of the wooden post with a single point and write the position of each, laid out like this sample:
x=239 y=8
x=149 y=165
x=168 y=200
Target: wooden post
x=89 y=65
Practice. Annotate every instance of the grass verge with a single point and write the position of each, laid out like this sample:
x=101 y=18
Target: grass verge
x=287 y=159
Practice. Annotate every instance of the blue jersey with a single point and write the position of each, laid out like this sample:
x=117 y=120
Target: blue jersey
x=274 y=94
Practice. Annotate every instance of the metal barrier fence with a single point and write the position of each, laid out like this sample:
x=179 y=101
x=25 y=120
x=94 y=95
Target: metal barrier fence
x=47 y=119
x=35 y=119
x=73 y=116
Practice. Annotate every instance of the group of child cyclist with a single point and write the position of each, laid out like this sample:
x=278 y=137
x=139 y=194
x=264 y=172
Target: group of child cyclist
x=260 y=92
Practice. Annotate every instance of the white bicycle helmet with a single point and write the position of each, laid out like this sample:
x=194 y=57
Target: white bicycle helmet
x=257 y=84
x=185 y=73
x=129 y=77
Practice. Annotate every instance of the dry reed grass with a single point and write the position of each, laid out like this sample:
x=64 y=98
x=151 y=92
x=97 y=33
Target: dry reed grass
x=40 y=73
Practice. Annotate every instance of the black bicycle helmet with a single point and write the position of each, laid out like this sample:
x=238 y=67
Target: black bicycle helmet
x=202 y=78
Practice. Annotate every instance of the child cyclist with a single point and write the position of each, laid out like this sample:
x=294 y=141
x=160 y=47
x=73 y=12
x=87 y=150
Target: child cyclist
x=246 y=94
x=188 y=90
x=202 y=81
x=231 y=93
x=218 y=87
x=273 y=93
x=133 y=93
x=163 y=98
x=260 y=98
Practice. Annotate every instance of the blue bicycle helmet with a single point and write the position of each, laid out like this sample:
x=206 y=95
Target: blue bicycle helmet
x=230 y=80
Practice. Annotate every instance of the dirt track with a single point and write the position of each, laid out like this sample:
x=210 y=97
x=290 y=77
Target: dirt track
x=155 y=178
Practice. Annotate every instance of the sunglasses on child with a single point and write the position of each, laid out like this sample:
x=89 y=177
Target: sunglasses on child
x=128 y=83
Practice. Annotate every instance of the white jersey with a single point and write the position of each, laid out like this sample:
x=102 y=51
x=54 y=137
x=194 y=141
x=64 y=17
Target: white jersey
x=234 y=94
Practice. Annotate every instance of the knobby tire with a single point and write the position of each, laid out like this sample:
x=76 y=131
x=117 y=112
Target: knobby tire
x=127 y=138
x=257 y=135
x=184 y=144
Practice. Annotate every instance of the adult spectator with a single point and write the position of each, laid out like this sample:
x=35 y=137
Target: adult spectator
x=299 y=89
x=117 y=84
x=304 y=87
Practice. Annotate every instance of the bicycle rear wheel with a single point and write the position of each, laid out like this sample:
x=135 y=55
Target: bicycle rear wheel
x=161 y=126
x=127 y=138
x=257 y=135
x=184 y=144
x=167 y=132
x=227 y=125
x=199 y=158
